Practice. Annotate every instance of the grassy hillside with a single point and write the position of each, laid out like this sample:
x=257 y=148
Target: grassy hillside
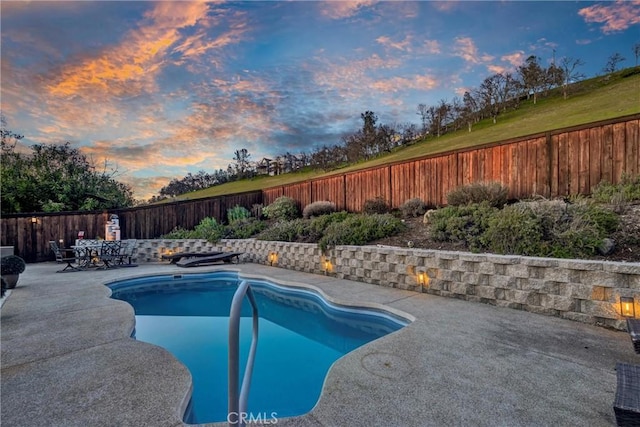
x=591 y=100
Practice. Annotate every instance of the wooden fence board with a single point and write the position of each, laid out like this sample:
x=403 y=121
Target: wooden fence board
x=595 y=158
x=573 y=160
x=583 y=168
x=619 y=151
x=632 y=140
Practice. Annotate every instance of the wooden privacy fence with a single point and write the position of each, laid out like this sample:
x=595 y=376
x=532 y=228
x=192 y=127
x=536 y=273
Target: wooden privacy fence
x=551 y=164
x=556 y=163
x=30 y=234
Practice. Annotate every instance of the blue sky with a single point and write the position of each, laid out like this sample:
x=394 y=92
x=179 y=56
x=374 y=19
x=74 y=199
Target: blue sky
x=161 y=89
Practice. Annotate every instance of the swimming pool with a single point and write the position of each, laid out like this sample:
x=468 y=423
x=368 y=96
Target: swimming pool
x=300 y=336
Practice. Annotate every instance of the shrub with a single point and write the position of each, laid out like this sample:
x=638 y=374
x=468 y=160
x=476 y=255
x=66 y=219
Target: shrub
x=413 y=208
x=465 y=224
x=282 y=209
x=619 y=195
x=285 y=231
x=571 y=229
x=207 y=229
x=516 y=229
x=494 y=193
x=244 y=228
x=318 y=208
x=318 y=225
x=376 y=206
x=237 y=213
x=360 y=229
x=12 y=264
x=178 y=233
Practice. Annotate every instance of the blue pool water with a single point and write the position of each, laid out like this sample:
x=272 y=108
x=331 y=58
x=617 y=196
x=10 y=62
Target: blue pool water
x=300 y=337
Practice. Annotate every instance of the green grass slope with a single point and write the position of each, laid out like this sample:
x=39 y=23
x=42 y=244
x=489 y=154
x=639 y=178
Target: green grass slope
x=600 y=98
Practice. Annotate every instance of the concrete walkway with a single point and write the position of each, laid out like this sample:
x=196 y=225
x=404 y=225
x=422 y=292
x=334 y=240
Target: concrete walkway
x=67 y=360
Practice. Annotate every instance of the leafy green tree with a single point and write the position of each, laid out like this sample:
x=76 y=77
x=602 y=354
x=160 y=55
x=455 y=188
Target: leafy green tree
x=532 y=75
x=54 y=178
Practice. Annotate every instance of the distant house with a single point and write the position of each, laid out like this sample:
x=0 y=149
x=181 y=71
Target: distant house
x=263 y=167
x=279 y=165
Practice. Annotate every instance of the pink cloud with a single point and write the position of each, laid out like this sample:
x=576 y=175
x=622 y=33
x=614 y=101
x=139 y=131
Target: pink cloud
x=614 y=17
x=515 y=58
x=343 y=9
x=466 y=49
x=404 y=45
x=396 y=84
x=431 y=46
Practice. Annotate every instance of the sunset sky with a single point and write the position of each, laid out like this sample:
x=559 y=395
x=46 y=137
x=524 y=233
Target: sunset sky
x=161 y=89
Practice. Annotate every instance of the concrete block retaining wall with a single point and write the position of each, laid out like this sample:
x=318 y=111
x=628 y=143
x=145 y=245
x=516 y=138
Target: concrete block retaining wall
x=585 y=291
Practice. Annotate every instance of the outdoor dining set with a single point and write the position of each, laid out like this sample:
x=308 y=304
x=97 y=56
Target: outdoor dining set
x=98 y=254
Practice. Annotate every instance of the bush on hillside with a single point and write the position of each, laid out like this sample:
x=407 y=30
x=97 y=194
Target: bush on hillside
x=618 y=195
x=550 y=228
x=286 y=231
x=494 y=193
x=467 y=224
x=244 y=228
x=516 y=230
x=237 y=213
x=413 y=208
x=360 y=229
x=318 y=208
x=376 y=206
x=207 y=229
x=282 y=209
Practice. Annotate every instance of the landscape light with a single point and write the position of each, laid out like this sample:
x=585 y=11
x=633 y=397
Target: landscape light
x=273 y=258
x=327 y=266
x=627 y=307
x=422 y=277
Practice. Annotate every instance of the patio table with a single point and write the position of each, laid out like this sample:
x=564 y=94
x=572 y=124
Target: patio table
x=88 y=255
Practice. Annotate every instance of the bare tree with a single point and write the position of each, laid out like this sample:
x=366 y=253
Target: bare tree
x=470 y=109
x=423 y=111
x=636 y=52
x=570 y=72
x=612 y=63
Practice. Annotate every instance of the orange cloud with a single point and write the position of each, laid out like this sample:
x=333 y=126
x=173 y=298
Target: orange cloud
x=617 y=16
x=129 y=69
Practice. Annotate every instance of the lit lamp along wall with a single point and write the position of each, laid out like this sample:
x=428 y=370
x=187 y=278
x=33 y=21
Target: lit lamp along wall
x=327 y=267
x=627 y=307
x=273 y=258
x=422 y=278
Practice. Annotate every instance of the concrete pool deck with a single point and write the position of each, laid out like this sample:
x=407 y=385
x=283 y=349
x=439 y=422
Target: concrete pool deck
x=68 y=360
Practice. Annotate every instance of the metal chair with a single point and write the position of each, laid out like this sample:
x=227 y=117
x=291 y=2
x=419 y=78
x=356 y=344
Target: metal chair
x=126 y=253
x=110 y=252
x=61 y=257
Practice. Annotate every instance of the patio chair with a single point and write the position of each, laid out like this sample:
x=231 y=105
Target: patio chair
x=226 y=257
x=110 y=252
x=126 y=253
x=63 y=257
